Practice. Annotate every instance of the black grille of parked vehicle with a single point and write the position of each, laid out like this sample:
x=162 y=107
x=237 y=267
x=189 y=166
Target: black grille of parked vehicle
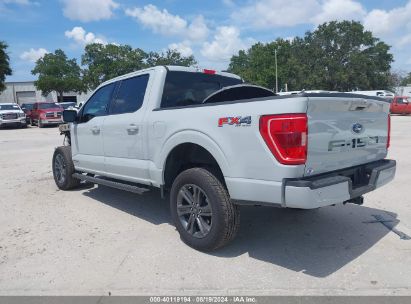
x=9 y=116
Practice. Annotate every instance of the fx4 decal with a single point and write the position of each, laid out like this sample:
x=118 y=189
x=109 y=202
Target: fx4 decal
x=236 y=121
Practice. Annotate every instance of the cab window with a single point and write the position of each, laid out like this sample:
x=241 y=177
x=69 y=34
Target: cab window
x=97 y=105
x=130 y=95
x=190 y=88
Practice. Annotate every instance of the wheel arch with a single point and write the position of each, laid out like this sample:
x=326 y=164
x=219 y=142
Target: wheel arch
x=187 y=149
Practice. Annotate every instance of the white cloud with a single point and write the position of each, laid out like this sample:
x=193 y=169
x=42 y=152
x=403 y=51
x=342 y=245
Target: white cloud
x=229 y=3
x=161 y=22
x=339 y=10
x=184 y=48
x=393 y=27
x=226 y=42
x=198 y=30
x=33 y=55
x=80 y=36
x=265 y=14
x=276 y=13
x=164 y=23
x=405 y=40
x=89 y=10
x=384 y=23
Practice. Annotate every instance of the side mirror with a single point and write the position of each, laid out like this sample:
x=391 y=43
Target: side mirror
x=69 y=115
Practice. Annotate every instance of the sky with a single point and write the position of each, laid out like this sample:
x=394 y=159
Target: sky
x=211 y=30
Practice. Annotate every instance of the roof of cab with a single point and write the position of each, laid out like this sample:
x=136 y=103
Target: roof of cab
x=168 y=68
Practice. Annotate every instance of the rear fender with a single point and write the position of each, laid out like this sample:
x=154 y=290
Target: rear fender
x=194 y=137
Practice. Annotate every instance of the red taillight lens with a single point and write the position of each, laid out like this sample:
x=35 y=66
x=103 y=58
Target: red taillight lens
x=286 y=137
x=389 y=131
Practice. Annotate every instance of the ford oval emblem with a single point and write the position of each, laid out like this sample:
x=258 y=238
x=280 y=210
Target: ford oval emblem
x=357 y=128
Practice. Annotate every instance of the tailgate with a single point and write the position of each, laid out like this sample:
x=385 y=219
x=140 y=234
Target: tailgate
x=345 y=130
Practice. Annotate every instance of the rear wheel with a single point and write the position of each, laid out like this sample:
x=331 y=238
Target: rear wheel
x=63 y=169
x=202 y=210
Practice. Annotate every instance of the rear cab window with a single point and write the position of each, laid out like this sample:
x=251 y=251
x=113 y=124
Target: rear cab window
x=191 y=88
x=130 y=95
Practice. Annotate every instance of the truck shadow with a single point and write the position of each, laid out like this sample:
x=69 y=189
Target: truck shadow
x=315 y=242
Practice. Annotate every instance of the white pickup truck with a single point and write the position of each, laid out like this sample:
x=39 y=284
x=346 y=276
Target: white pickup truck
x=213 y=143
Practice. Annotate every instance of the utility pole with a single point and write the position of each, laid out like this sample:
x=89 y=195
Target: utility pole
x=276 y=73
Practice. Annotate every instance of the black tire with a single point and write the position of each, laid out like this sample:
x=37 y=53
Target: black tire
x=224 y=220
x=62 y=161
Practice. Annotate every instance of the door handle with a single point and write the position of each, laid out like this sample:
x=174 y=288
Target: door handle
x=95 y=130
x=132 y=129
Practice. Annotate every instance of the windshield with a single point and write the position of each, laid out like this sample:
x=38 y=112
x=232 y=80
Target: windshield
x=28 y=106
x=67 y=105
x=9 y=107
x=48 y=105
x=189 y=88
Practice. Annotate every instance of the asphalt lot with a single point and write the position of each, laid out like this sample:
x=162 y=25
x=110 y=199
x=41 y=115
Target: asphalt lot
x=96 y=241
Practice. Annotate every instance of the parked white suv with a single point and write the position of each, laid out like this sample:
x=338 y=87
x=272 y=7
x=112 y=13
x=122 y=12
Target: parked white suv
x=12 y=115
x=214 y=143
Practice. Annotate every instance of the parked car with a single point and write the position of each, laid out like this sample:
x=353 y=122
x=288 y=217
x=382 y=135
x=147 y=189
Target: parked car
x=46 y=113
x=400 y=105
x=378 y=93
x=27 y=107
x=67 y=105
x=12 y=115
x=214 y=143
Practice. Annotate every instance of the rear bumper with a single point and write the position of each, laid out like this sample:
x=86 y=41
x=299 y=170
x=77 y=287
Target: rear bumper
x=313 y=192
x=339 y=186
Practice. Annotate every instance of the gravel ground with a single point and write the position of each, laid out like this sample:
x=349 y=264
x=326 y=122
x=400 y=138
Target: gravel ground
x=96 y=240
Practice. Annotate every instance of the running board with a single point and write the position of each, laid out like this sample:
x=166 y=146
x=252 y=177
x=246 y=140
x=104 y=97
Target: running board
x=110 y=183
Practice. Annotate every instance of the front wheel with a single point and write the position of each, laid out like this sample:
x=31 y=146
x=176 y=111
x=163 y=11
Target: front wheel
x=63 y=169
x=202 y=210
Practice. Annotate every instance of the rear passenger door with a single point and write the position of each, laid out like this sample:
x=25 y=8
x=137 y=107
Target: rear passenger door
x=124 y=132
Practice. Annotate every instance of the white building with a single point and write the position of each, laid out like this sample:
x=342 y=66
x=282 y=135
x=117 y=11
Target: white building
x=26 y=92
x=403 y=91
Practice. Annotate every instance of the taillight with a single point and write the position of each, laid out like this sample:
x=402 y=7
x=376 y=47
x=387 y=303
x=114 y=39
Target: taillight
x=286 y=137
x=389 y=131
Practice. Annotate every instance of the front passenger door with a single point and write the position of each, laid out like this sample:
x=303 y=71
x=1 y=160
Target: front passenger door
x=88 y=150
x=124 y=131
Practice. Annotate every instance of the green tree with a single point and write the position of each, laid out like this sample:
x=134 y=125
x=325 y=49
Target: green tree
x=104 y=62
x=4 y=65
x=336 y=56
x=257 y=65
x=57 y=73
x=406 y=80
x=170 y=57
